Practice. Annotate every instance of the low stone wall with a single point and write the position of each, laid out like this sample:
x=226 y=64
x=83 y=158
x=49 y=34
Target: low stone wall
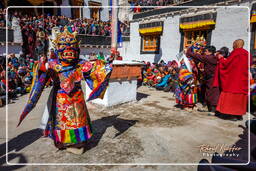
x=123 y=84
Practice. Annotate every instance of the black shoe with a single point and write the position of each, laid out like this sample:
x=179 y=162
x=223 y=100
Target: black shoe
x=178 y=106
x=235 y=118
x=227 y=117
x=217 y=114
x=240 y=118
x=221 y=116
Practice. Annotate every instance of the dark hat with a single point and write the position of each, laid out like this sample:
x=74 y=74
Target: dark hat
x=224 y=51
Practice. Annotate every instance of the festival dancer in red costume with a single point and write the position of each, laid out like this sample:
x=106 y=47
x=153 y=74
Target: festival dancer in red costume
x=69 y=122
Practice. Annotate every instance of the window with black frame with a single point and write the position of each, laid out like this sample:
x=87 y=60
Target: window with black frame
x=151 y=36
x=197 y=28
x=150 y=43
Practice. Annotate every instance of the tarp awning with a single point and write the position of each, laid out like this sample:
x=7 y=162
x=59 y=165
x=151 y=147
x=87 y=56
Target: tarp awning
x=253 y=18
x=198 y=21
x=197 y=24
x=253 y=14
x=151 y=28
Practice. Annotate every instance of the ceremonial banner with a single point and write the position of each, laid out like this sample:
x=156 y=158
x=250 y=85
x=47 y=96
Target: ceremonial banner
x=181 y=56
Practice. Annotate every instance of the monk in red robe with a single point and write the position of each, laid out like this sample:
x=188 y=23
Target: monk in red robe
x=231 y=77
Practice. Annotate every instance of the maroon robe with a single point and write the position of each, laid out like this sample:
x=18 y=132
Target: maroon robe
x=210 y=62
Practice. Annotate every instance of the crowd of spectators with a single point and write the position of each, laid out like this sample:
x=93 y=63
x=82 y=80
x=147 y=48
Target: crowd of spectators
x=47 y=22
x=140 y=4
x=253 y=86
x=2 y=80
x=82 y=26
x=2 y=17
x=37 y=29
x=162 y=76
x=154 y=2
x=20 y=75
x=198 y=78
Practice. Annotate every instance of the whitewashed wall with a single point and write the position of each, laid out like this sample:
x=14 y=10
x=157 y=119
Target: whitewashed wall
x=104 y=13
x=170 y=40
x=87 y=51
x=124 y=49
x=231 y=24
x=117 y=92
x=86 y=10
x=133 y=48
x=169 y=43
x=66 y=11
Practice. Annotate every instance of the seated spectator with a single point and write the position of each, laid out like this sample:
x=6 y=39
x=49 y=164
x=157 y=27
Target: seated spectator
x=14 y=60
x=27 y=82
x=2 y=86
x=164 y=82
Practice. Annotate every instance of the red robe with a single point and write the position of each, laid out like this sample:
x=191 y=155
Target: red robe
x=232 y=77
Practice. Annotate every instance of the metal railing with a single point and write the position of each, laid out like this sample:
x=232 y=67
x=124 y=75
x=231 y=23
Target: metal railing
x=84 y=38
x=3 y=35
x=157 y=11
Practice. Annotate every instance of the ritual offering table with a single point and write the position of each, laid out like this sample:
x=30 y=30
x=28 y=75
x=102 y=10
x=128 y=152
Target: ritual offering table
x=122 y=85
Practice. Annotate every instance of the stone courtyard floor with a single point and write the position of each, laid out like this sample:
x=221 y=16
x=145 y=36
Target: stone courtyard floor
x=149 y=130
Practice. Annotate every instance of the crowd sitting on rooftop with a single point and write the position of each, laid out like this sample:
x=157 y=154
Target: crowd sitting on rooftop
x=142 y=3
x=36 y=29
x=2 y=17
x=47 y=22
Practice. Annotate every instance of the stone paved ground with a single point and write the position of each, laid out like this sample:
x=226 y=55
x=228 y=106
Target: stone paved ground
x=150 y=130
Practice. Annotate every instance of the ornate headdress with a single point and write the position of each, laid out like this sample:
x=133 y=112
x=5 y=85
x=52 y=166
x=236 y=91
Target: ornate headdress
x=67 y=46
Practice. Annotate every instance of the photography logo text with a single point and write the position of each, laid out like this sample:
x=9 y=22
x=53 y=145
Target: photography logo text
x=222 y=150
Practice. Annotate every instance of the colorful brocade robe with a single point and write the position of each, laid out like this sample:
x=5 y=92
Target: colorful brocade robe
x=69 y=122
x=186 y=91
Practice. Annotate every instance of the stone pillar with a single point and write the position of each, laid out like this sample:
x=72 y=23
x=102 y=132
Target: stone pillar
x=16 y=30
x=86 y=10
x=114 y=25
x=66 y=11
x=55 y=31
x=55 y=10
x=123 y=14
